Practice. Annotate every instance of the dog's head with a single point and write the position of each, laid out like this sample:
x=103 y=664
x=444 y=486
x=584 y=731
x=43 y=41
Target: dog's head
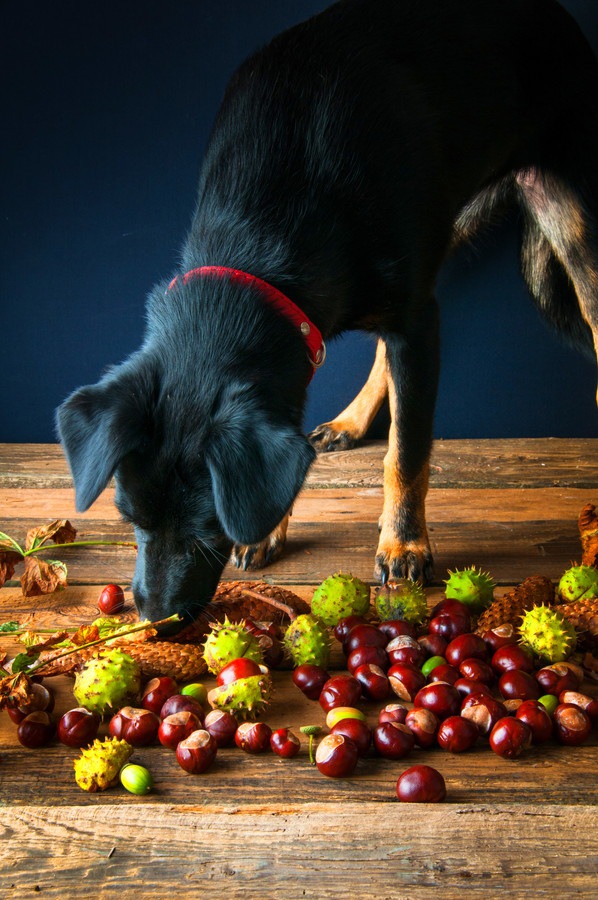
x=200 y=462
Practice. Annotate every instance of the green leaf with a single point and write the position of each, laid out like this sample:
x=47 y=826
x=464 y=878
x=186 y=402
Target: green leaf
x=9 y=627
x=8 y=543
x=23 y=661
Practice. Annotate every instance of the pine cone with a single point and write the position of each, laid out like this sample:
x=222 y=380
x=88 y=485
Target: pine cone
x=183 y=662
x=588 y=532
x=537 y=590
x=583 y=615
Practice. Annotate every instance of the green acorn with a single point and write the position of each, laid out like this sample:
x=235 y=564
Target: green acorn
x=107 y=681
x=98 y=766
x=245 y=698
x=403 y=599
x=227 y=641
x=548 y=634
x=579 y=583
x=307 y=641
x=472 y=587
x=339 y=596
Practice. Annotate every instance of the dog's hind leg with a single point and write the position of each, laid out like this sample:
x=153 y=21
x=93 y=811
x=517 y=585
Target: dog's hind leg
x=403 y=548
x=257 y=556
x=353 y=422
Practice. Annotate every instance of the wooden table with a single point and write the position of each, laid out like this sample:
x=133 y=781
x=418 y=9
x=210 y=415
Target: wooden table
x=269 y=828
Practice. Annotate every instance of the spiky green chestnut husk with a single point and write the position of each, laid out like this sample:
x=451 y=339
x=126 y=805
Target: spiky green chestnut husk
x=227 y=641
x=579 y=583
x=245 y=698
x=339 y=596
x=307 y=641
x=547 y=633
x=106 y=682
x=472 y=587
x=404 y=599
x=98 y=766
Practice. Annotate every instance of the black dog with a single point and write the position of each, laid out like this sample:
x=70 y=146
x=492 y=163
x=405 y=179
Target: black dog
x=347 y=158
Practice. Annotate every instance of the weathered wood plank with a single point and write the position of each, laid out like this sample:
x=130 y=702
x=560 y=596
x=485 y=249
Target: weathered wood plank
x=312 y=850
x=541 y=462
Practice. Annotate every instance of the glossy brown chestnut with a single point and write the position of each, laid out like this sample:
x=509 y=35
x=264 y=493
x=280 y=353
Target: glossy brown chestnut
x=457 y=734
x=477 y=670
x=393 y=740
x=500 y=636
x=588 y=704
x=41 y=699
x=78 y=727
x=237 y=668
x=516 y=685
x=340 y=690
x=35 y=730
x=511 y=656
x=336 y=756
x=444 y=672
x=138 y=727
x=253 y=737
x=344 y=626
x=111 y=600
x=421 y=784
x=156 y=693
x=466 y=687
x=557 y=678
x=484 y=711
x=269 y=638
x=405 y=649
x=177 y=727
x=357 y=731
x=465 y=646
x=196 y=753
x=181 y=703
x=374 y=682
x=447 y=627
x=364 y=636
x=442 y=699
x=285 y=743
x=405 y=680
x=572 y=725
x=510 y=737
x=310 y=680
x=424 y=725
x=432 y=644
x=222 y=726
x=361 y=656
x=393 y=712
x=535 y=715
x=395 y=628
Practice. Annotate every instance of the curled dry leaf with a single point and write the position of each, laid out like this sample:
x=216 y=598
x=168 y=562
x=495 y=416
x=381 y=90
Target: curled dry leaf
x=42 y=576
x=8 y=561
x=60 y=531
x=15 y=690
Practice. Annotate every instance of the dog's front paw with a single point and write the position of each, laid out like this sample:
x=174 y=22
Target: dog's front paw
x=327 y=438
x=257 y=556
x=411 y=559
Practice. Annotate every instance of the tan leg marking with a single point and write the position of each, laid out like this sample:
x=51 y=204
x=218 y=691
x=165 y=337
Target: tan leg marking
x=257 y=556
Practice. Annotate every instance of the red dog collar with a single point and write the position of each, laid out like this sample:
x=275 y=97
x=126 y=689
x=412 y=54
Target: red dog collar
x=310 y=334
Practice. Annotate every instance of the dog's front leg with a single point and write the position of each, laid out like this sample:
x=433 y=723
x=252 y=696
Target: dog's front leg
x=412 y=359
x=257 y=556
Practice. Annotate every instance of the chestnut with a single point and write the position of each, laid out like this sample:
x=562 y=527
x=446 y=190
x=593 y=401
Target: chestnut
x=510 y=736
x=253 y=737
x=156 y=693
x=365 y=636
x=78 y=727
x=176 y=727
x=424 y=725
x=588 y=704
x=393 y=712
x=344 y=626
x=484 y=711
x=516 y=685
x=180 y=703
x=285 y=743
x=222 y=726
x=238 y=668
x=477 y=670
x=448 y=627
x=336 y=756
x=465 y=646
x=405 y=649
x=393 y=740
x=444 y=673
x=442 y=699
x=457 y=734
x=500 y=636
x=405 y=680
x=374 y=682
x=35 y=730
x=534 y=714
x=41 y=699
x=111 y=600
x=357 y=731
x=452 y=607
x=341 y=690
x=421 y=784
x=268 y=635
x=196 y=753
x=361 y=656
x=310 y=680
x=466 y=687
x=511 y=656
x=393 y=628
x=433 y=644
x=557 y=678
x=572 y=725
x=138 y=727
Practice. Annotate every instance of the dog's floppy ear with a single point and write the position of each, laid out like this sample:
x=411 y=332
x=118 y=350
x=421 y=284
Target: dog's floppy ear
x=257 y=469
x=98 y=425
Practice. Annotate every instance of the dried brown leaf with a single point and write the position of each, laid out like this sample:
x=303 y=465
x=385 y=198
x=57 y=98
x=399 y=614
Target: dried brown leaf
x=15 y=690
x=42 y=576
x=85 y=634
x=8 y=561
x=60 y=531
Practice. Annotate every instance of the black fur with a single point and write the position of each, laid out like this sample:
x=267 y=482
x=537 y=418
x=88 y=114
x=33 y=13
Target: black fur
x=347 y=158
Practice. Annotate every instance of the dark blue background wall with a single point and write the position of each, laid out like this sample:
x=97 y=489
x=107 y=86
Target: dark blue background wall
x=107 y=108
